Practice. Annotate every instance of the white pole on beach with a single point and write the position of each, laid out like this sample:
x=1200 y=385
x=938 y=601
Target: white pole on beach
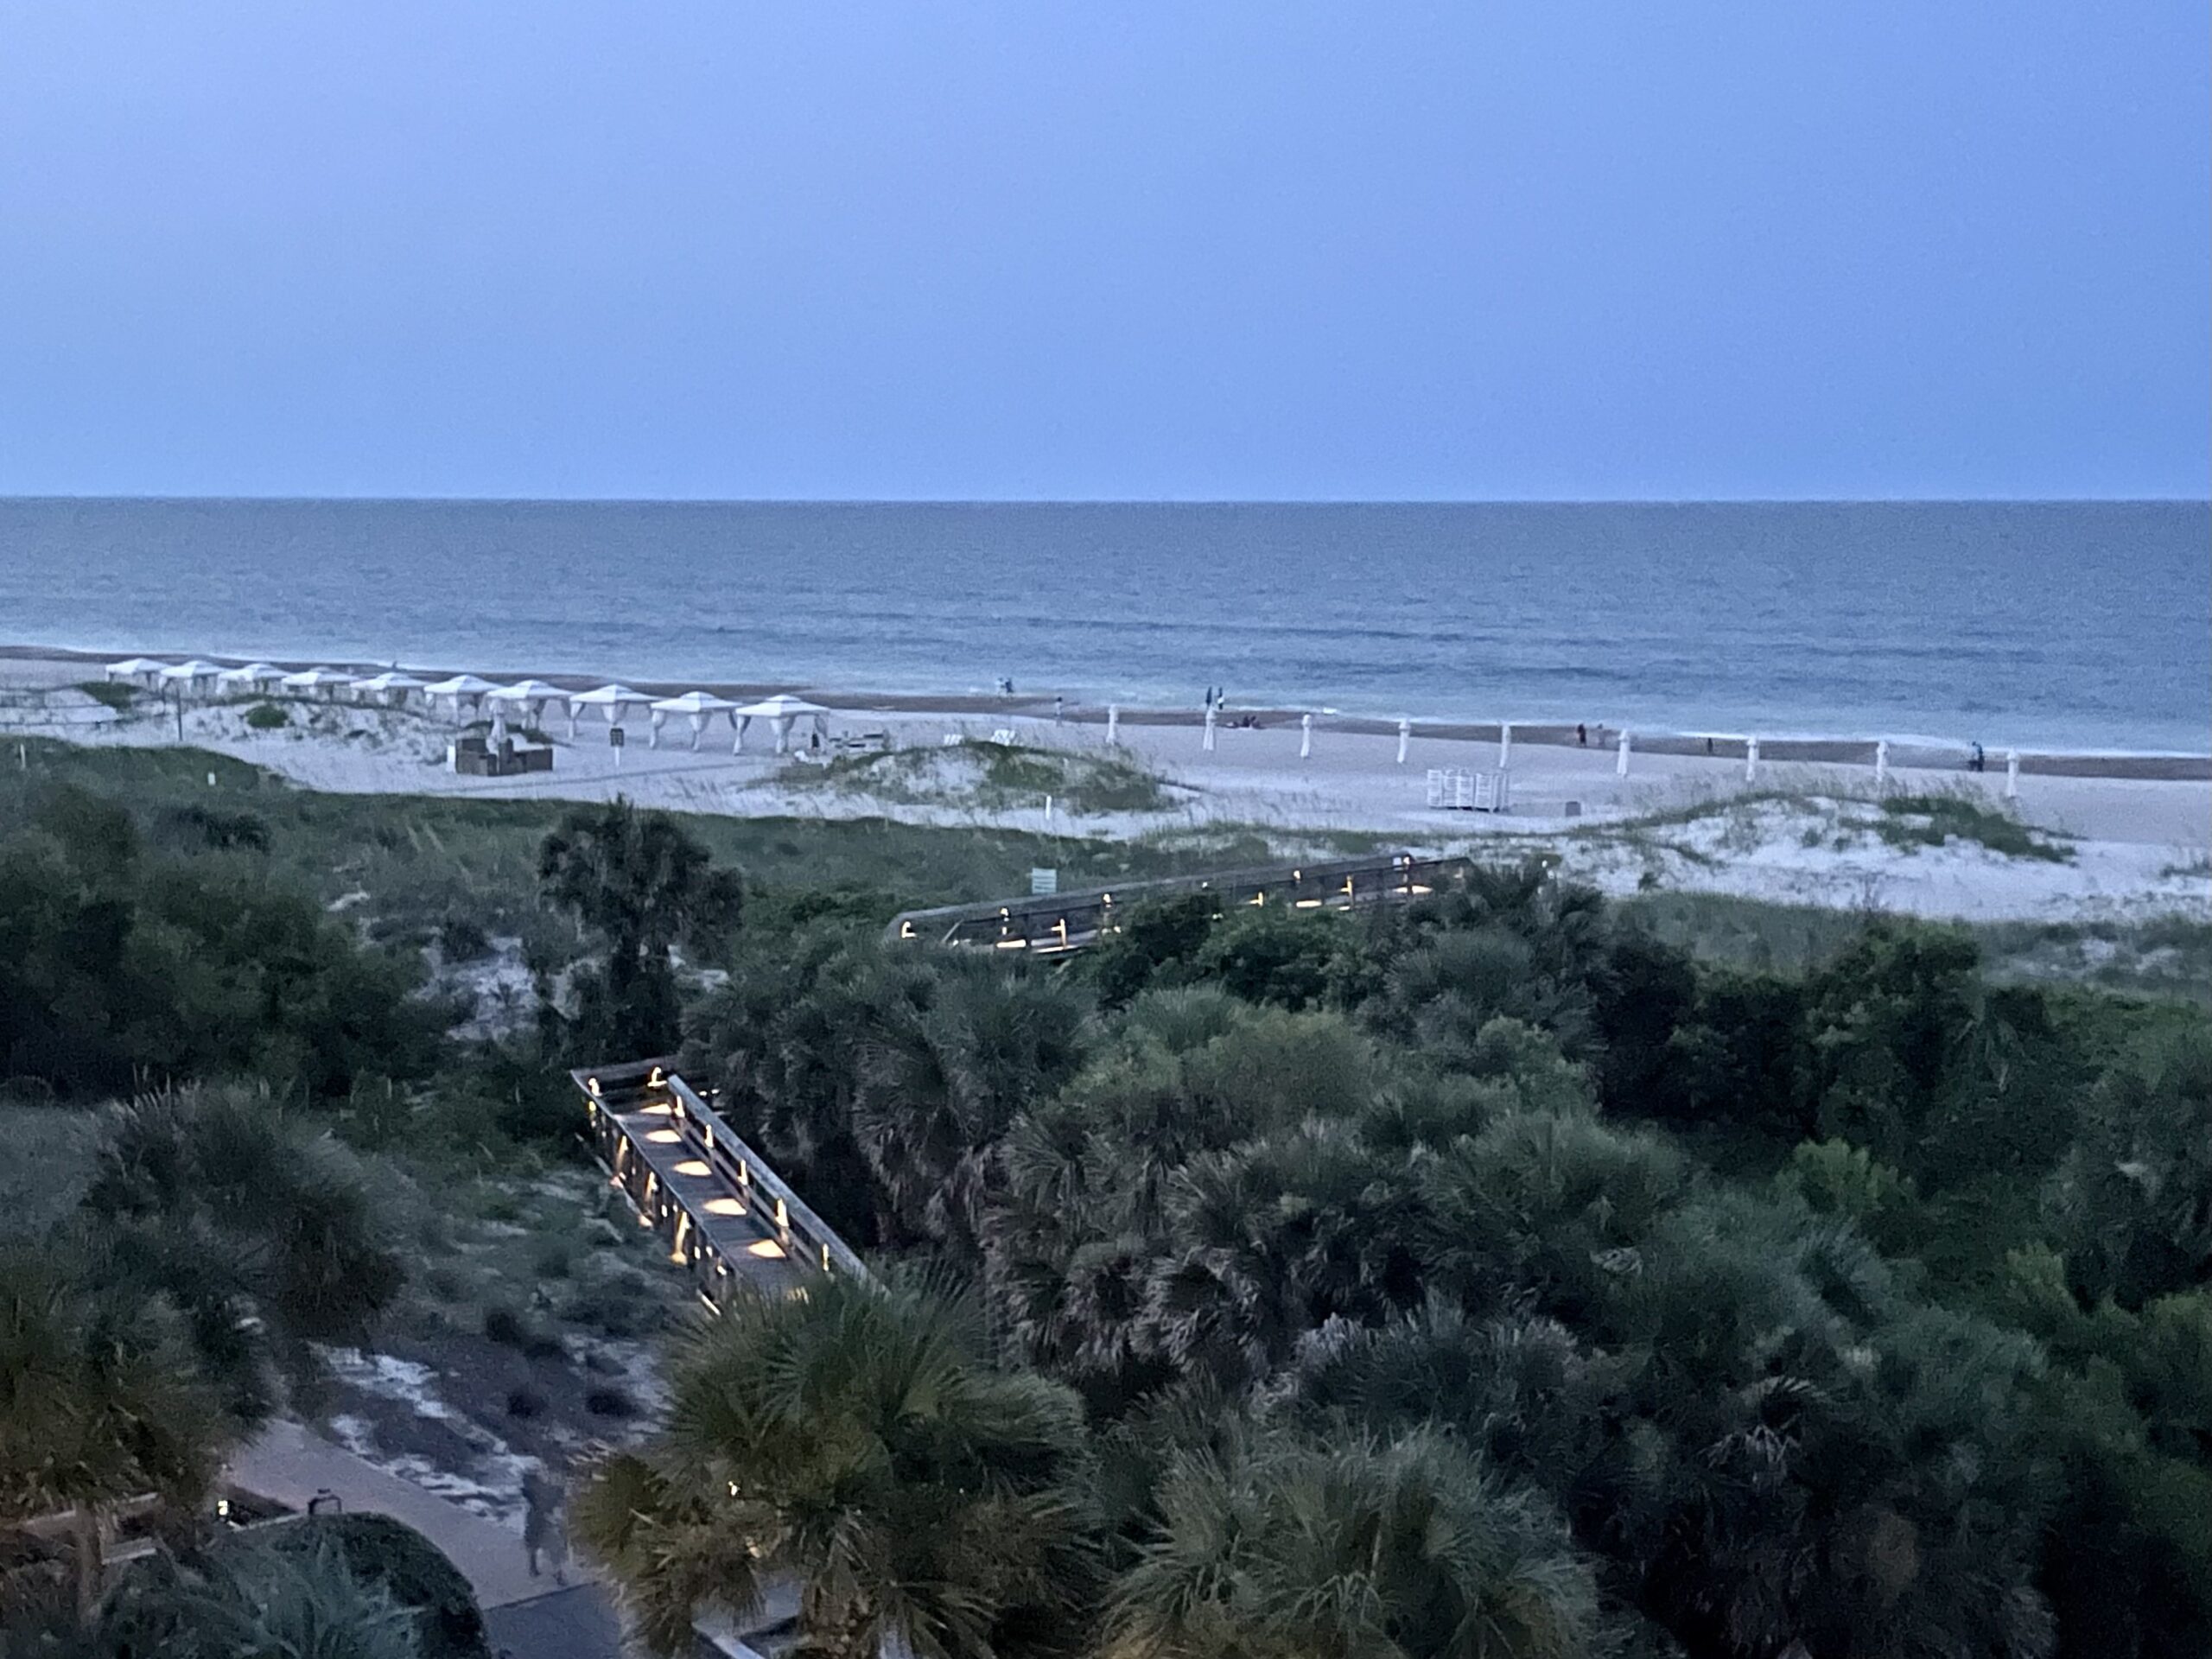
x=1304 y=737
x=572 y=721
x=738 y=723
x=1751 y=759
x=1208 y=740
x=1113 y=723
x=698 y=725
x=1504 y=745
x=2012 y=774
x=1620 y=764
x=1405 y=736
x=1881 y=762
x=653 y=740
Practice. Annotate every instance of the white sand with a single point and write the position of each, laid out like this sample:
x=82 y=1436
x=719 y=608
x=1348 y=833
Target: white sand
x=2136 y=849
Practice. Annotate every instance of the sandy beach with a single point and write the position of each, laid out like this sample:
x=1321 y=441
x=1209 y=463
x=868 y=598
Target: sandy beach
x=1806 y=826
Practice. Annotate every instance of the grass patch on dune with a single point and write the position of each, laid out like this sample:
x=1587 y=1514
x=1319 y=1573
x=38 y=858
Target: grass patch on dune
x=1910 y=821
x=109 y=693
x=995 y=778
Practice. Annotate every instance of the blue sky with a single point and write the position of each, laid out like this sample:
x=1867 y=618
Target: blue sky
x=1143 y=249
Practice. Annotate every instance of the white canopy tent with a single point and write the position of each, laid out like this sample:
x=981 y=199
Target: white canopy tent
x=136 y=668
x=391 y=685
x=249 y=675
x=701 y=706
x=461 y=688
x=782 y=712
x=616 y=699
x=529 y=695
x=325 y=680
x=191 y=672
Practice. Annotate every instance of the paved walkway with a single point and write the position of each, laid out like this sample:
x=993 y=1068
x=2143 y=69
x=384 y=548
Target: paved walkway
x=290 y=1463
x=572 y=1624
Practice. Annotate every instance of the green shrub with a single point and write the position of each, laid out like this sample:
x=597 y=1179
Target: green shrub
x=267 y=717
x=610 y=1401
x=408 y=1567
x=108 y=692
x=503 y=1325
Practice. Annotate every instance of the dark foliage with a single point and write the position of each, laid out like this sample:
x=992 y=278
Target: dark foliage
x=125 y=965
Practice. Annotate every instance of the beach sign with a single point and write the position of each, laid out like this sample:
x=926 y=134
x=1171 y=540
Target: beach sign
x=1044 y=882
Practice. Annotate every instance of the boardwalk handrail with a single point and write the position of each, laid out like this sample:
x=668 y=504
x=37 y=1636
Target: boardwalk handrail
x=1052 y=923
x=652 y=1086
x=793 y=1214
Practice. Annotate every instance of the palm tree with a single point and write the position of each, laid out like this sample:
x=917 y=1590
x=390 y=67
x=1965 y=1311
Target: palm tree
x=251 y=1601
x=955 y=1047
x=1282 y=1549
x=100 y=1402
x=854 y=1440
x=644 y=886
x=215 y=1198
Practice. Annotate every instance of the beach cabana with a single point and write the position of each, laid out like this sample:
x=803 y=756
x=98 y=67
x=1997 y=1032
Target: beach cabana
x=391 y=686
x=701 y=706
x=616 y=699
x=249 y=676
x=782 y=712
x=461 y=688
x=185 y=675
x=325 y=680
x=529 y=695
x=136 y=668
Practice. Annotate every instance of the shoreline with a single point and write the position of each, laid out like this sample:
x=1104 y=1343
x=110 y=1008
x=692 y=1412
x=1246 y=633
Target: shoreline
x=1918 y=753
x=1942 y=842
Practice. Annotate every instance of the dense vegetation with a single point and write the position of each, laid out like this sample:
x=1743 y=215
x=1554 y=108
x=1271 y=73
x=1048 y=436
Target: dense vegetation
x=1494 y=1276
x=1491 y=1265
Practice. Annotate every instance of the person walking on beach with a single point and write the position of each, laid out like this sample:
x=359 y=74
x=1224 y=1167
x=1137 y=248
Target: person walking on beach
x=1977 y=761
x=542 y=1530
x=1581 y=735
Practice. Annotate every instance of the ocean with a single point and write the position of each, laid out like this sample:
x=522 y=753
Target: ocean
x=2073 y=625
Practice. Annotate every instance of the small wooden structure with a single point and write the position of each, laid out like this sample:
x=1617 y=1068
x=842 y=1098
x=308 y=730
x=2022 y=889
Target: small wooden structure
x=478 y=756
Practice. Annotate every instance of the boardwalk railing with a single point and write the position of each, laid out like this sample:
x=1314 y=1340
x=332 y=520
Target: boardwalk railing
x=1052 y=923
x=726 y=1212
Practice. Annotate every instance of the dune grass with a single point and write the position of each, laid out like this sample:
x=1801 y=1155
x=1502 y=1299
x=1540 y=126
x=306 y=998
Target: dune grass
x=1934 y=820
x=109 y=693
x=410 y=866
x=985 y=777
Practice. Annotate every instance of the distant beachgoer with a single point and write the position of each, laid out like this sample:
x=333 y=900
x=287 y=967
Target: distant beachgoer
x=1708 y=746
x=1060 y=709
x=542 y=1530
x=1980 y=761
x=1581 y=734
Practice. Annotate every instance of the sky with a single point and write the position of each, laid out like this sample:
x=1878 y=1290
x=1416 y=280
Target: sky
x=1143 y=249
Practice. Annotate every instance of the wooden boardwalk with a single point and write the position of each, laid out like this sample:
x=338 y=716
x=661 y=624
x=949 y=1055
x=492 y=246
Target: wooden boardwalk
x=729 y=1218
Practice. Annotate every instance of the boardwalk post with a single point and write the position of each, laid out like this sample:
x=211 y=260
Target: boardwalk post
x=1751 y=759
x=1208 y=741
x=1620 y=764
x=1305 y=736
x=1113 y=723
x=1405 y=736
x=1504 y=745
x=1881 y=762
x=2012 y=774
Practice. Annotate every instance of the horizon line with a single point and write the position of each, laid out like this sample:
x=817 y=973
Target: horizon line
x=168 y=498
